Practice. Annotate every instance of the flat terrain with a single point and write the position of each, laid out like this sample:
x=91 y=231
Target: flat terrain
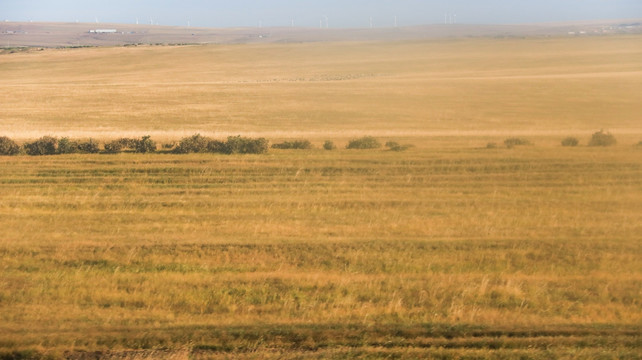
x=526 y=250
x=448 y=249
x=559 y=86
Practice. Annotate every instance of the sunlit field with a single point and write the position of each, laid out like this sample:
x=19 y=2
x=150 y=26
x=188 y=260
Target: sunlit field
x=449 y=249
x=471 y=86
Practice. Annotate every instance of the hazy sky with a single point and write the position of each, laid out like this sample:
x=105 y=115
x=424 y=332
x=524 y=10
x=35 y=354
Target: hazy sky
x=339 y=13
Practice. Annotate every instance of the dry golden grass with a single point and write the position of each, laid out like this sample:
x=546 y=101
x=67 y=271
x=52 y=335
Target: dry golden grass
x=465 y=86
x=447 y=249
x=147 y=251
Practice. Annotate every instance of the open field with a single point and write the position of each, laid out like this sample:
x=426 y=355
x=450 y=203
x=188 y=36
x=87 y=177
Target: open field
x=529 y=250
x=446 y=250
x=559 y=86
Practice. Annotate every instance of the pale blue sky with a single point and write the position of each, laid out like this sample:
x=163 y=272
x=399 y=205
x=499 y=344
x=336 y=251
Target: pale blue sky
x=340 y=13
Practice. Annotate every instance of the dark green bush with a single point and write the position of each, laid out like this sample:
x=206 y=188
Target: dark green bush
x=233 y=145
x=193 y=144
x=512 y=142
x=366 y=142
x=8 y=146
x=46 y=145
x=145 y=145
x=243 y=145
x=113 y=147
x=570 y=141
x=216 y=146
x=128 y=143
x=329 y=145
x=88 y=147
x=296 y=144
x=66 y=146
x=121 y=144
x=602 y=138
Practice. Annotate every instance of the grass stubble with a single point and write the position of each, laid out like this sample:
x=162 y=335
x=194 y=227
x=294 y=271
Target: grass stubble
x=323 y=250
x=447 y=250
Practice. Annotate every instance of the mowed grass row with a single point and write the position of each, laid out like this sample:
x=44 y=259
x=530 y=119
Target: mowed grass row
x=318 y=195
x=144 y=251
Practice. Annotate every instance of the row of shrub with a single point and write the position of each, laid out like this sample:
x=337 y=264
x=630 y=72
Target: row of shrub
x=197 y=143
x=600 y=138
x=234 y=145
x=48 y=145
x=143 y=145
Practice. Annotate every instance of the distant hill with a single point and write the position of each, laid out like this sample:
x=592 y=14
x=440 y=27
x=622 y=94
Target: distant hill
x=20 y=34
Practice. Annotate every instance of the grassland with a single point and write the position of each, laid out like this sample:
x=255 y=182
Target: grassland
x=318 y=250
x=561 y=86
x=448 y=249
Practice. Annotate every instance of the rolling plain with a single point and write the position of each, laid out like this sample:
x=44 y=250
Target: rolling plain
x=446 y=250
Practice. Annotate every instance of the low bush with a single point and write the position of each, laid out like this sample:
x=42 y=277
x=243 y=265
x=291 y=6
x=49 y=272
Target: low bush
x=193 y=144
x=296 y=144
x=329 y=145
x=66 y=146
x=395 y=146
x=217 y=147
x=491 y=145
x=512 y=142
x=8 y=146
x=602 y=138
x=145 y=145
x=128 y=143
x=113 y=147
x=46 y=145
x=570 y=141
x=233 y=145
x=366 y=142
x=243 y=145
x=89 y=147
x=121 y=144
